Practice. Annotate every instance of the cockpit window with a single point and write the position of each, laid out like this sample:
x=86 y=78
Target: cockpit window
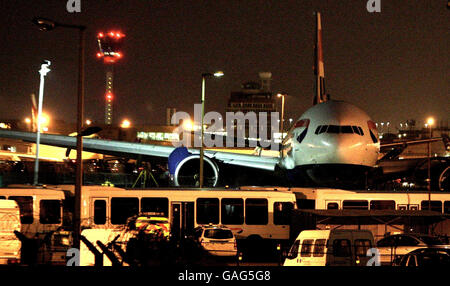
x=356 y=130
x=302 y=136
x=346 y=129
x=335 y=129
x=318 y=129
x=373 y=131
x=361 y=131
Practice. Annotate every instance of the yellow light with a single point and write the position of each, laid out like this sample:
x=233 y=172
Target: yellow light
x=279 y=95
x=45 y=119
x=430 y=121
x=218 y=74
x=188 y=125
x=27 y=120
x=88 y=122
x=125 y=123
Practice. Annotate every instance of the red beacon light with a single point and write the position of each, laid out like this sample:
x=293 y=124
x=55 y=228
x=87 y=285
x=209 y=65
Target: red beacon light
x=109 y=96
x=110 y=44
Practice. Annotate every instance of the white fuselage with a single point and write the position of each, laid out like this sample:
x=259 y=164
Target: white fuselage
x=333 y=136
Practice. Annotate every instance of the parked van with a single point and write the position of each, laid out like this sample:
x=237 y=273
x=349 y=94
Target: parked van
x=337 y=247
x=9 y=222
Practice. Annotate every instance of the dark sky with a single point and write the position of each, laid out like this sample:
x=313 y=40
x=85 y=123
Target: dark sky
x=394 y=64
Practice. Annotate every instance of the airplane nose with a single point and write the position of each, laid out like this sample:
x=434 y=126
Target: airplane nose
x=345 y=149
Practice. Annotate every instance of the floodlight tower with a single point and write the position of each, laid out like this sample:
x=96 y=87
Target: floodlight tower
x=109 y=45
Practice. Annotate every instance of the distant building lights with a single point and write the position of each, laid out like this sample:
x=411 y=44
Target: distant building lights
x=125 y=124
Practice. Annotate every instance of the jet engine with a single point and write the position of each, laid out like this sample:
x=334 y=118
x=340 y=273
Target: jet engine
x=184 y=169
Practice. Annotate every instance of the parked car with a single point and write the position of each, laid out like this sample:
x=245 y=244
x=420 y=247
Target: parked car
x=10 y=245
x=337 y=247
x=216 y=240
x=426 y=257
x=151 y=223
x=393 y=247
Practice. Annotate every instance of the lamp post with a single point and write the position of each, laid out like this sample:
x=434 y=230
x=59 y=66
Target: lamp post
x=43 y=72
x=204 y=76
x=48 y=25
x=430 y=122
x=282 y=95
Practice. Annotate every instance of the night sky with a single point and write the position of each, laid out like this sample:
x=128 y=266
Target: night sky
x=394 y=64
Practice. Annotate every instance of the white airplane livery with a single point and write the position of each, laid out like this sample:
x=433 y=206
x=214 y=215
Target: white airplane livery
x=332 y=132
x=333 y=143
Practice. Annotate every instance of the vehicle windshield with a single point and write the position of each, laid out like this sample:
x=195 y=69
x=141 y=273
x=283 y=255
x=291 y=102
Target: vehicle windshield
x=218 y=233
x=430 y=240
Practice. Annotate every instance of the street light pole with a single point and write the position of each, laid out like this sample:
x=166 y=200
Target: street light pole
x=430 y=122
x=48 y=25
x=282 y=95
x=43 y=72
x=201 y=130
x=80 y=111
x=204 y=76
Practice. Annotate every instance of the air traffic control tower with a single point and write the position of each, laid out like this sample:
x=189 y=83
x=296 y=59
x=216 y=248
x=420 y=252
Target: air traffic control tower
x=109 y=45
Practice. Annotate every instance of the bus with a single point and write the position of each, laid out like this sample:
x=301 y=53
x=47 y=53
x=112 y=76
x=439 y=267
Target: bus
x=326 y=199
x=250 y=214
x=41 y=209
x=336 y=199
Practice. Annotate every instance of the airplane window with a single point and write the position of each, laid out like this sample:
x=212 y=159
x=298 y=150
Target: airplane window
x=361 y=131
x=346 y=129
x=323 y=129
x=318 y=129
x=374 y=138
x=302 y=136
x=356 y=130
x=333 y=129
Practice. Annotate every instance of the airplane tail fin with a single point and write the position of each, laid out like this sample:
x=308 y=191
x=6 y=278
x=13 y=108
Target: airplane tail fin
x=319 y=69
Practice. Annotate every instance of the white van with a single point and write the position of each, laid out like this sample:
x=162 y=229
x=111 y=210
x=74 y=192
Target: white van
x=337 y=247
x=9 y=222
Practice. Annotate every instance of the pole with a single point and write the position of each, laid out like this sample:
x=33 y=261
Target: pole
x=429 y=171
x=43 y=72
x=282 y=116
x=201 y=132
x=79 y=171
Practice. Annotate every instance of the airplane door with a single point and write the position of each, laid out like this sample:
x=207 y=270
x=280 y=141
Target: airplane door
x=182 y=222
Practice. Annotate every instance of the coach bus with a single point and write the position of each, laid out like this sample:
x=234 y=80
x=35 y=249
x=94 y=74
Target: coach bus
x=322 y=199
x=258 y=214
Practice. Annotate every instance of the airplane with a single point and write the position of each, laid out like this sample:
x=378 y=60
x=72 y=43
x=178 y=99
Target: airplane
x=332 y=144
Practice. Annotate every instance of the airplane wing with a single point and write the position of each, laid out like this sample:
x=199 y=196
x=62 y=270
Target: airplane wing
x=139 y=150
x=393 y=150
